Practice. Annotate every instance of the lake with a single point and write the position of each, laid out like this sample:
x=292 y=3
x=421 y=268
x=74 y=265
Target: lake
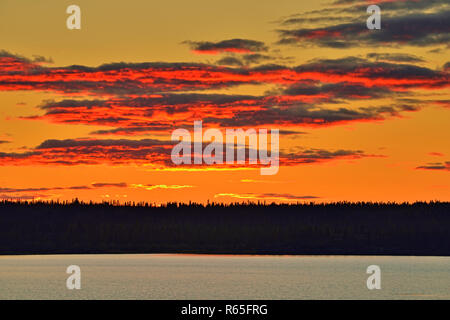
x=173 y=276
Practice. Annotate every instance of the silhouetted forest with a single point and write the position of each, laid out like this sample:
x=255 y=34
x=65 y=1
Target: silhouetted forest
x=241 y=228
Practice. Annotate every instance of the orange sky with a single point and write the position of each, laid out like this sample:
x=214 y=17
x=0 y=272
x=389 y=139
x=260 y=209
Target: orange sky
x=363 y=114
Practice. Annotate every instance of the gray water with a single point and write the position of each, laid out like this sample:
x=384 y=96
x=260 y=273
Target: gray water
x=157 y=276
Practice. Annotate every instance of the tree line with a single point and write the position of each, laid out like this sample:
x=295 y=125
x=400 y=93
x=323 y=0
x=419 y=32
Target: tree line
x=359 y=228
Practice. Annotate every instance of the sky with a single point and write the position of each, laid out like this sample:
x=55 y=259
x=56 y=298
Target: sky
x=363 y=115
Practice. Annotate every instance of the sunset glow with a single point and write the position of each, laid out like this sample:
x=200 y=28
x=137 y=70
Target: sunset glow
x=363 y=115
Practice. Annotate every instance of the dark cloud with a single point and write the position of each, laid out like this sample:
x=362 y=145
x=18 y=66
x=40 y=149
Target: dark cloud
x=45 y=189
x=107 y=185
x=445 y=166
x=287 y=196
x=42 y=59
x=300 y=20
x=296 y=104
x=17 y=156
x=405 y=28
x=343 y=90
x=151 y=79
x=354 y=11
x=256 y=58
x=17 y=73
x=19 y=190
x=230 y=61
x=133 y=130
x=439 y=50
x=74 y=143
x=91 y=152
x=233 y=45
x=395 y=57
x=151 y=153
x=22 y=197
x=307 y=115
x=377 y=71
x=291 y=132
x=249 y=59
x=303 y=92
x=311 y=156
x=393 y=6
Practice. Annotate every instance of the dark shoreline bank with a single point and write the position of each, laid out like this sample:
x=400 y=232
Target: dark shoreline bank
x=417 y=229
x=239 y=254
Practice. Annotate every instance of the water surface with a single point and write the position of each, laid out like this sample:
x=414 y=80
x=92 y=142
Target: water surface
x=158 y=276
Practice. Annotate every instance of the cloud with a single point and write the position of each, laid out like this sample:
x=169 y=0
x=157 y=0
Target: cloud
x=14 y=63
x=299 y=103
x=395 y=57
x=447 y=66
x=109 y=184
x=42 y=189
x=439 y=50
x=314 y=156
x=19 y=190
x=232 y=45
x=17 y=73
x=92 y=152
x=88 y=143
x=436 y=154
x=152 y=79
x=444 y=166
x=159 y=186
x=153 y=154
x=23 y=197
x=343 y=90
x=394 y=5
x=230 y=61
x=264 y=181
x=45 y=192
x=394 y=75
x=41 y=59
x=307 y=116
x=266 y=196
x=250 y=59
x=265 y=111
x=415 y=23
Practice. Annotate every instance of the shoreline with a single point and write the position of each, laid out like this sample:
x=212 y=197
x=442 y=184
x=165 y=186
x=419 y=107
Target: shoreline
x=205 y=254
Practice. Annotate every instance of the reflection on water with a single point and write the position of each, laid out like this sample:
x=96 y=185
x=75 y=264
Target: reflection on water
x=157 y=276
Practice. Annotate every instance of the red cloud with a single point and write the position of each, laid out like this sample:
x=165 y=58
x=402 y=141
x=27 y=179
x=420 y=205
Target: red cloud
x=149 y=152
x=137 y=79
